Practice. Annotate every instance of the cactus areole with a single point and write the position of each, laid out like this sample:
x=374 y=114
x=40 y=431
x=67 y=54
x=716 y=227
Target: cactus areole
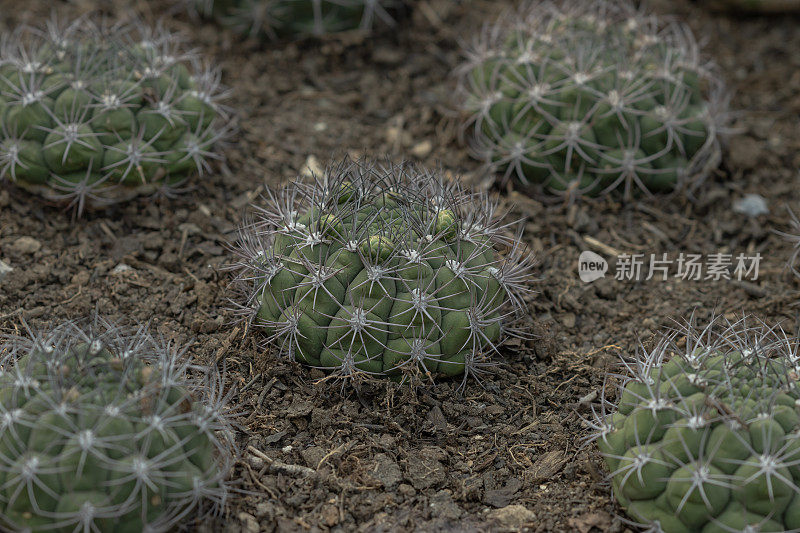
x=586 y=97
x=706 y=434
x=103 y=431
x=97 y=114
x=382 y=270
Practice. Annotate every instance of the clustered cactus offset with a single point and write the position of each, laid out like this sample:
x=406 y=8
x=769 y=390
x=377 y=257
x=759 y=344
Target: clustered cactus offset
x=104 y=431
x=293 y=18
x=375 y=270
x=579 y=97
x=706 y=433
x=96 y=114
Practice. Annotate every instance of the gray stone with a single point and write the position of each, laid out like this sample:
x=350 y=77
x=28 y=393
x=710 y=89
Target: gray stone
x=751 y=205
x=26 y=246
x=5 y=268
x=513 y=517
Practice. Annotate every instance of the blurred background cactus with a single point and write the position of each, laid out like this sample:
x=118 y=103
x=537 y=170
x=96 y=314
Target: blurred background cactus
x=296 y=18
x=581 y=97
x=95 y=114
x=752 y=6
x=706 y=432
x=103 y=430
x=374 y=270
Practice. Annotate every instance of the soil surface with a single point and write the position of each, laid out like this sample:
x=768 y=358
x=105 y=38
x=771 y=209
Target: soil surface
x=507 y=454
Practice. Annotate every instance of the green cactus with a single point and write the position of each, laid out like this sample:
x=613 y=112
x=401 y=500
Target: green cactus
x=588 y=97
x=381 y=270
x=102 y=430
x=95 y=115
x=706 y=435
x=293 y=18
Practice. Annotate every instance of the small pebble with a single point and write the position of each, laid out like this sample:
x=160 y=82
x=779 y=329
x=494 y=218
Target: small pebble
x=249 y=522
x=26 y=245
x=256 y=462
x=120 y=268
x=312 y=167
x=751 y=205
x=5 y=268
x=422 y=149
x=406 y=490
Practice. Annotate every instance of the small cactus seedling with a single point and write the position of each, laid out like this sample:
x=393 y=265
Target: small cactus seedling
x=97 y=114
x=376 y=270
x=579 y=97
x=296 y=18
x=104 y=431
x=706 y=432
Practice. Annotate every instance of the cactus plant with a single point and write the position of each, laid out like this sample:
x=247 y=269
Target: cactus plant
x=292 y=18
x=578 y=97
x=381 y=270
x=96 y=114
x=103 y=430
x=706 y=433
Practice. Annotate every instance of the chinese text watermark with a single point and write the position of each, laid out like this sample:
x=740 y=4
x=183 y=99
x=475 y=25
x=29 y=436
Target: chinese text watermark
x=685 y=266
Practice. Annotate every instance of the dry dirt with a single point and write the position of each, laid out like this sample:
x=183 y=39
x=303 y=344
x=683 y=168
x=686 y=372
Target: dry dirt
x=508 y=455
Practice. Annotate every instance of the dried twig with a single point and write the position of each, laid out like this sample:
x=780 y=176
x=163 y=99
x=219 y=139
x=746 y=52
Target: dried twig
x=277 y=467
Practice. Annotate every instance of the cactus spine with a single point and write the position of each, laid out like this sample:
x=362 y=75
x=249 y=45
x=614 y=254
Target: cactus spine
x=103 y=430
x=589 y=97
x=94 y=114
x=706 y=432
x=375 y=270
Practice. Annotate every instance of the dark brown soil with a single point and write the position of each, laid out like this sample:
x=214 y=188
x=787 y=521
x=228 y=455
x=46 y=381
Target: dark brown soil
x=508 y=455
